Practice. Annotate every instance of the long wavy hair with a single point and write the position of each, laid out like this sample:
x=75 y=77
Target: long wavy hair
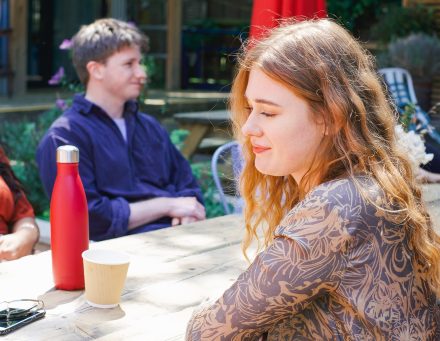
x=9 y=177
x=322 y=63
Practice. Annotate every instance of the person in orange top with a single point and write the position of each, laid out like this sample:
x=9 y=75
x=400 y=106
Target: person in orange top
x=18 y=229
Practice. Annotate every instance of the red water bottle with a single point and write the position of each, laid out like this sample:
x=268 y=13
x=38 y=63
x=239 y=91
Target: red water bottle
x=69 y=222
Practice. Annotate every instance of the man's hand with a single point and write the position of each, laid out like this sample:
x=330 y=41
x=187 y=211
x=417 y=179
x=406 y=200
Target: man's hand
x=187 y=209
x=183 y=210
x=182 y=221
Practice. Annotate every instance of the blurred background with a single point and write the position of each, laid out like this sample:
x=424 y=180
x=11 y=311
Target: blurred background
x=191 y=61
x=192 y=42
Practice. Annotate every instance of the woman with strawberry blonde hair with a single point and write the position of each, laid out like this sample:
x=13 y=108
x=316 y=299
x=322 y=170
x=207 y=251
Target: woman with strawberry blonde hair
x=349 y=249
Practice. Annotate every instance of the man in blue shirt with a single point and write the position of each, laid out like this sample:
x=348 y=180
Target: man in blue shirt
x=134 y=178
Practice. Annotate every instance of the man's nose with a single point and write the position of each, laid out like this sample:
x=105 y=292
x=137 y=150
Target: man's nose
x=140 y=72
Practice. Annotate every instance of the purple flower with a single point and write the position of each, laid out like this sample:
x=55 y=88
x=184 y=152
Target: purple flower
x=66 y=44
x=61 y=104
x=57 y=77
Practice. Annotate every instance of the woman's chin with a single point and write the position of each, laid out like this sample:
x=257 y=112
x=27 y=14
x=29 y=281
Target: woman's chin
x=264 y=169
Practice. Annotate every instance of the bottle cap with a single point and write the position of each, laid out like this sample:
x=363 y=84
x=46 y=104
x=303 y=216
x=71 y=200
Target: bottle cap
x=67 y=154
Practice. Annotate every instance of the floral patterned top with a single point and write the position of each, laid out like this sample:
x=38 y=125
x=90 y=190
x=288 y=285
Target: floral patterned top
x=339 y=268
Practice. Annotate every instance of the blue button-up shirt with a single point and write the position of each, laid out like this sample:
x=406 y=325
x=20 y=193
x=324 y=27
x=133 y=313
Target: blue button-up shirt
x=116 y=172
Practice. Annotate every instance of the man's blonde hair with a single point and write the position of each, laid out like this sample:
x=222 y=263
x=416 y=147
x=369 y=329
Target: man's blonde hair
x=100 y=40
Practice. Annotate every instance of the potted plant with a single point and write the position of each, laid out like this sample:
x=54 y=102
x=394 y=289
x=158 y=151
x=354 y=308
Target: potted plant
x=419 y=54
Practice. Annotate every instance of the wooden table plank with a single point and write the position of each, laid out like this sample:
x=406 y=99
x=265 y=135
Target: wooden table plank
x=171 y=271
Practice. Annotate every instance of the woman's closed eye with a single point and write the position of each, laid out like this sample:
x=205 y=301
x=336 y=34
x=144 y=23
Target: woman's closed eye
x=264 y=113
x=267 y=114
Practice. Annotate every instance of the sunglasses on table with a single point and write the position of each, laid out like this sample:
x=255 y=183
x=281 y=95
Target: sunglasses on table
x=17 y=309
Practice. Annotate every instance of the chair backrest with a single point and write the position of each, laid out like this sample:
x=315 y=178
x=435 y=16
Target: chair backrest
x=229 y=155
x=400 y=85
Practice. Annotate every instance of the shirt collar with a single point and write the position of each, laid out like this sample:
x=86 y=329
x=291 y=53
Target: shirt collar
x=85 y=107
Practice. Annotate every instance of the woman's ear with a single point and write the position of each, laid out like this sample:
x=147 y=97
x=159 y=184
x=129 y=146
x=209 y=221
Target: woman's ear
x=95 y=70
x=323 y=126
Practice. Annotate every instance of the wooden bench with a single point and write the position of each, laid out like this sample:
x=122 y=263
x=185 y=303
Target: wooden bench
x=202 y=125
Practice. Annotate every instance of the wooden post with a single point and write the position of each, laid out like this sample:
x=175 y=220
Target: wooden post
x=174 y=44
x=118 y=9
x=18 y=53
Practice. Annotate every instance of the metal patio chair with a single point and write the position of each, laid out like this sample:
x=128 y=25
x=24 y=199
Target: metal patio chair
x=229 y=157
x=400 y=86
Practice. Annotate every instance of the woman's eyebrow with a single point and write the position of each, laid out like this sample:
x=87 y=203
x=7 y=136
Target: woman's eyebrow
x=264 y=101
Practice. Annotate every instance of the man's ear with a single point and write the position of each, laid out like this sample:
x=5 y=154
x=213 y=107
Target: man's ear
x=95 y=70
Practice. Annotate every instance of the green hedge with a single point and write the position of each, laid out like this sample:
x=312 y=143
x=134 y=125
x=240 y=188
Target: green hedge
x=20 y=141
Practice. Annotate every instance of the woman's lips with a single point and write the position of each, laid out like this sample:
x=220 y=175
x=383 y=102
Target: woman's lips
x=259 y=149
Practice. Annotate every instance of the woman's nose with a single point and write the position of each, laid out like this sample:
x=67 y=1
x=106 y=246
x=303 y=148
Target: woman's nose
x=251 y=127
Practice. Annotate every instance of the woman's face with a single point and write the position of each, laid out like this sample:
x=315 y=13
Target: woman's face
x=280 y=127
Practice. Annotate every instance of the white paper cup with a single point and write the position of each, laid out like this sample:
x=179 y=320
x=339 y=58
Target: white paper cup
x=104 y=275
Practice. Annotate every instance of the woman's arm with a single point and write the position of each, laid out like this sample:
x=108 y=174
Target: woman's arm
x=281 y=282
x=21 y=241
x=306 y=260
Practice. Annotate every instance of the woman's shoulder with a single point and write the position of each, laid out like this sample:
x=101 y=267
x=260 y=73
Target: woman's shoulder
x=341 y=191
x=333 y=205
x=356 y=189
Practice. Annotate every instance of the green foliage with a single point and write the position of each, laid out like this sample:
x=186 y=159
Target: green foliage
x=178 y=137
x=154 y=69
x=20 y=140
x=202 y=172
x=382 y=20
x=396 y=21
x=407 y=116
x=349 y=12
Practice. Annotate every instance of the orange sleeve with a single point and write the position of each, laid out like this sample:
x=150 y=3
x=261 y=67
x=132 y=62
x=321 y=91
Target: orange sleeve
x=23 y=209
x=6 y=206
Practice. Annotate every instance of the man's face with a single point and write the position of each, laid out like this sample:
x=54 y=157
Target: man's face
x=123 y=76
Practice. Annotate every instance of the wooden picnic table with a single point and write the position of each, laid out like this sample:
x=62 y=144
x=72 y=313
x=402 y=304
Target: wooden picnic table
x=203 y=124
x=171 y=271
